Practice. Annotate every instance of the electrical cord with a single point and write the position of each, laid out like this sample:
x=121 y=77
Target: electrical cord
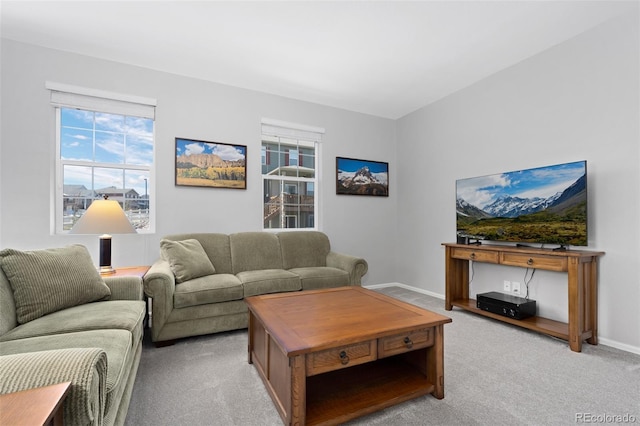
x=472 y=272
x=527 y=281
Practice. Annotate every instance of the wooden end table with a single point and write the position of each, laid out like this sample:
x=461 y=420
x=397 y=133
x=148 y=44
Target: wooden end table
x=328 y=356
x=38 y=406
x=128 y=271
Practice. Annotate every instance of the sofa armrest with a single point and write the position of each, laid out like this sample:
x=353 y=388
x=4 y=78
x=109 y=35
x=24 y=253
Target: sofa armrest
x=355 y=266
x=124 y=288
x=159 y=285
x=85 y=368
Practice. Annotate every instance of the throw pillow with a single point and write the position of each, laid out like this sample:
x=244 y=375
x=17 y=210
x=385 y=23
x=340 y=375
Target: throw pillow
x=187 y=259
x=46 y=281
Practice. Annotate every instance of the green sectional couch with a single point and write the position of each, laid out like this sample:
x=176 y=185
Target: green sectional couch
x=60 y=321
x=199 y=284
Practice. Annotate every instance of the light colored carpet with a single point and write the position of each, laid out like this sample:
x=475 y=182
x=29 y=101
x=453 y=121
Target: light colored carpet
x=495 y=374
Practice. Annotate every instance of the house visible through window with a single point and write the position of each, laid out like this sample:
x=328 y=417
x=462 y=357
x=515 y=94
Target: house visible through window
x=289 y=164
x=102 y=153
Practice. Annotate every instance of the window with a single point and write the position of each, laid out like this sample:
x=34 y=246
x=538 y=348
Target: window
x=290 y=158
x=105 y=148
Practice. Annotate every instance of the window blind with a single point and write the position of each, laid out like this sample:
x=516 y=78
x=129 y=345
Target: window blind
x=285 y=129
x=69 y=96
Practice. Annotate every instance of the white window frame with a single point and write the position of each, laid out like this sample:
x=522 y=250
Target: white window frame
x=76 y=97
x=305 y=134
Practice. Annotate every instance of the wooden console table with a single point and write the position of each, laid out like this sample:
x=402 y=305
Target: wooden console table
x=582 y=283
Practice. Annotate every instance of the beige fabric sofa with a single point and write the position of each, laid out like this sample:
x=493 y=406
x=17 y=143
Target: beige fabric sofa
x=245 y=264
x=94 y=345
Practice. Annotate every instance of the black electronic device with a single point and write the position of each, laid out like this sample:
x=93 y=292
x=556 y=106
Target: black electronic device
x=461 y=239
x=507 y=305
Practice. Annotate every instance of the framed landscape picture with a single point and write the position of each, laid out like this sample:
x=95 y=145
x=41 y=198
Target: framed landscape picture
x=210 y=164
x=362 y=177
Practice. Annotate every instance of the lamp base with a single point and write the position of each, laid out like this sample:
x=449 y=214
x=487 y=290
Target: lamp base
x=105 y=255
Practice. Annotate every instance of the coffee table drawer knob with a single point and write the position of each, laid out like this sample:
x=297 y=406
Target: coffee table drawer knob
x=344 y=358
x=408 y=342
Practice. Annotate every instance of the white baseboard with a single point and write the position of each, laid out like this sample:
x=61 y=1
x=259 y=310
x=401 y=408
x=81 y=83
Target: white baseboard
x=618 y=345
x=601 y=340
x=408 y=287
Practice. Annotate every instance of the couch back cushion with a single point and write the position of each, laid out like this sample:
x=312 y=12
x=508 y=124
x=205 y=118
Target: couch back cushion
x=46 y=281
x=251 y=251
x=301 y=249
x=187 y=259
x=216 y=246
x=8 y=317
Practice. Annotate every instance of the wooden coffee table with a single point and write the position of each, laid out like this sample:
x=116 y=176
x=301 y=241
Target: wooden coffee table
x=327 y=356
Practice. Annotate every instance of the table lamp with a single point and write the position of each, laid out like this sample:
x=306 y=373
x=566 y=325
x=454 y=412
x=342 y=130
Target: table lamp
x=104 y=217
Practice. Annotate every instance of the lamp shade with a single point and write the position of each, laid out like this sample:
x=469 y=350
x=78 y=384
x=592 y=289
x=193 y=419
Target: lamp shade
x=103 y=217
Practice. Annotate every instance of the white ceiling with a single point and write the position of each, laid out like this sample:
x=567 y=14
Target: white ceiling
x=386 y=58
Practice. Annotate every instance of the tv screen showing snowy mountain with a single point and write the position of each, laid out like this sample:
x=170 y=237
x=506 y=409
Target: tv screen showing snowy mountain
x=362 y=177
x=545 y=205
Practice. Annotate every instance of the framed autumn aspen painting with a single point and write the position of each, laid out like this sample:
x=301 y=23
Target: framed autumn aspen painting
x=210 y=164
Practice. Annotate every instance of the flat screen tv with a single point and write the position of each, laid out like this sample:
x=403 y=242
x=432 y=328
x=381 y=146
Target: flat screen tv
x=545 y=205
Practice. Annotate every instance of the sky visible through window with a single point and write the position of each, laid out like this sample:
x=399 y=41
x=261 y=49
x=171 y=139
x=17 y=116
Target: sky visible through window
x=113 y=142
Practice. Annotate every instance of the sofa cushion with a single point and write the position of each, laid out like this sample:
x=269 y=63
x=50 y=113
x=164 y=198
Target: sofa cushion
x=119 y=314
x=216 y=246
x=7 y=305
x=268 y=281
x=304 y=248
x=187 y=259
x=209 y=289
x=45 y=281
x=252 y=251
x=116 y=344
x=199 y=312
x=321 y=277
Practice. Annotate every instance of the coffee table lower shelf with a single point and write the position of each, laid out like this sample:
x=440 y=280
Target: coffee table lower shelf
x=338 y=396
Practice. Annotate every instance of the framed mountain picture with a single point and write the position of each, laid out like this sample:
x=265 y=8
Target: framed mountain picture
x=362 y=177
x=210 y=164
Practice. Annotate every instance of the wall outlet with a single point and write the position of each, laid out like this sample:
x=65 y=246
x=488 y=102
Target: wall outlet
x=506 y=285
x=515 y=287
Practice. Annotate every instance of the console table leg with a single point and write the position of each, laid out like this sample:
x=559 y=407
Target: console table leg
x=456 y=279
x=576 y=305
x=592 y=281
x=450 y=274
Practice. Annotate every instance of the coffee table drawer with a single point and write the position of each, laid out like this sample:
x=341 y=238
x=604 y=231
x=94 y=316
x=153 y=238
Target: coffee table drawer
x=406 y=342
x=341 y=357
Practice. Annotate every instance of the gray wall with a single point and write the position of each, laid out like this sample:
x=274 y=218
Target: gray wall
x=189 y=108
x=576 y=101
